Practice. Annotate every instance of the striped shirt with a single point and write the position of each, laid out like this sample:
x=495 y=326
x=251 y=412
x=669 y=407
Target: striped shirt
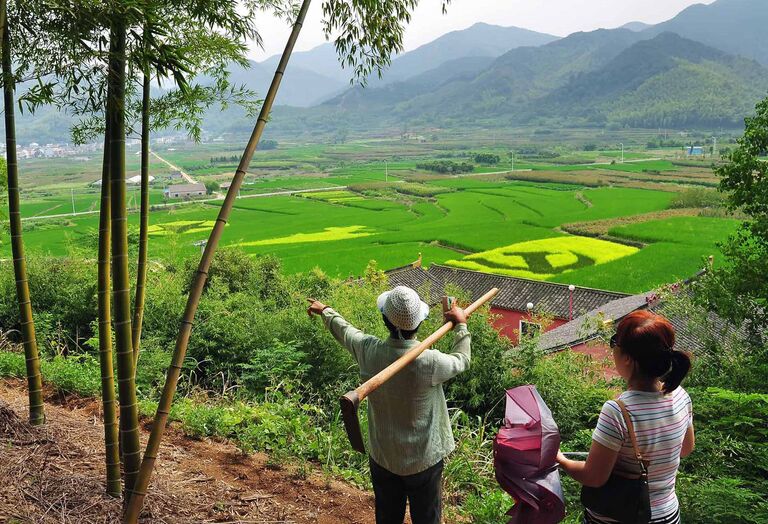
x=661 y=422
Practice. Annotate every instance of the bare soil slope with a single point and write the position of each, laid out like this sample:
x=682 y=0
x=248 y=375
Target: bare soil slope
x=55 y=473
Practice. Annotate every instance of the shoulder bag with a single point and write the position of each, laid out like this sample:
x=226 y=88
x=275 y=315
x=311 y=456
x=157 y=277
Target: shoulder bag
x=623 y=499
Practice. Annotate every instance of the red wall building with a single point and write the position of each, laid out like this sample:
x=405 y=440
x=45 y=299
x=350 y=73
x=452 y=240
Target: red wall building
x=508 y=322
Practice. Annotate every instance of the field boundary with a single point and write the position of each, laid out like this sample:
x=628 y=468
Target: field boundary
x=171 y=205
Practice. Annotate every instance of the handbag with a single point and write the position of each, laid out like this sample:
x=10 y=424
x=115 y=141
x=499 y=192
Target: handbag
x=622 y=498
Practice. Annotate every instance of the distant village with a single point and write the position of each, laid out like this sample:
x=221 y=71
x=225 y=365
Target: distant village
x=78 y=152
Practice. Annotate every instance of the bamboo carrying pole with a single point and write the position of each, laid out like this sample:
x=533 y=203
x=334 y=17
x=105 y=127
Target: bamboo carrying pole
x=129 y=417
x=351 y=400
x=29 y=339
x=141 y=271
x=161 y=416
x=111 y=447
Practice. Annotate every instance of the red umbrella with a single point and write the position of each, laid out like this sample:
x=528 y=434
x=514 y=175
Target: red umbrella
x=524 y=455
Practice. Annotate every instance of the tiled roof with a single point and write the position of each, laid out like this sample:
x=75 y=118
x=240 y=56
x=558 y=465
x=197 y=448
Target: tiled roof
x=687 y=336
x=515 y=293
x=584 y=327
x=186 y=187
x=415 y=277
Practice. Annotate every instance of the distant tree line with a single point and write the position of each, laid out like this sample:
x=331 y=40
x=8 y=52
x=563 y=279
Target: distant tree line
x=487 y=158
x=264 y=145
x=225 y=159
x=535 y=152
x=446 y=166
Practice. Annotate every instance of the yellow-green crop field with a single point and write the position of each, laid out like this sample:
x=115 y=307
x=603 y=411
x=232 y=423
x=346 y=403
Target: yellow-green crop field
x=546 y=258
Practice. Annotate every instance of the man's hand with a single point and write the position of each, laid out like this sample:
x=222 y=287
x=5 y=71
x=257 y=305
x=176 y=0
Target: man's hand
x=315 y=307
x=455 y=315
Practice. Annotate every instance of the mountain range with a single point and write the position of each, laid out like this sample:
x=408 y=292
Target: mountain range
x=679 y=73
x=706 y=66
x=316 y=74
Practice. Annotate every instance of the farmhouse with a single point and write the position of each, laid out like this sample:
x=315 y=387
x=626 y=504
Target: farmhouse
x=578 y=317
x=515 y=295
x=583 y=334
x=184 y=191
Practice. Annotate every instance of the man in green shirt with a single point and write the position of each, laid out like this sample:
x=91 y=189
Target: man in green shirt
x=408 y=425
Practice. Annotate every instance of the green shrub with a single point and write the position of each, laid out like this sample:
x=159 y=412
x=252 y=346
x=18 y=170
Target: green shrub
x=12 y=365
x=720 y=500
x=698 y=197
x=63 y=291
x=570 y=383
x=77 y=374
x=273 y=363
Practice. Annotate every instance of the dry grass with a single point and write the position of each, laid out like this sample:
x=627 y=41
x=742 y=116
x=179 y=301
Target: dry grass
x=599 y=228
x=55 y=474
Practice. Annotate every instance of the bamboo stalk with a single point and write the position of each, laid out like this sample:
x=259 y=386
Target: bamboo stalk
x=29 y=339
x=163 y=409
x=111 y=446
x=129 y=417
x=141 y=271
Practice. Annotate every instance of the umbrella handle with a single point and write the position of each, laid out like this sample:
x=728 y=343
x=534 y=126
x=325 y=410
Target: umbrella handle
x=576 y=454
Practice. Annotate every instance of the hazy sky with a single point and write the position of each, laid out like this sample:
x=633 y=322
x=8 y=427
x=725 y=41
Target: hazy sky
x=558 y=17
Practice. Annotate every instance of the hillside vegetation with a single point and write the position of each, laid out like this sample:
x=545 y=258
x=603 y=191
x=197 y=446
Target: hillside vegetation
x=265 y=376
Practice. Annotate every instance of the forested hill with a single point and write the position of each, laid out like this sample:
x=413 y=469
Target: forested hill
x=739 y=27
x=605 y=76
x=666 y=81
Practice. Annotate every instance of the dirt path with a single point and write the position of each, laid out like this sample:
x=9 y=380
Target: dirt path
x=188 y=179
x=55 y=473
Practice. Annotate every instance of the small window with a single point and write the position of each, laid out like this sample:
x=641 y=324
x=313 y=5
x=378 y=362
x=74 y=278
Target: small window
x=529 y=329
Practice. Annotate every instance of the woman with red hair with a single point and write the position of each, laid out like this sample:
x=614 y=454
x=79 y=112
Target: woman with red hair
x=659 y=413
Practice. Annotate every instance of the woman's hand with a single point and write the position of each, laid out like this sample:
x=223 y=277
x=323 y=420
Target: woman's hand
x=315 y=307
x=561 y=458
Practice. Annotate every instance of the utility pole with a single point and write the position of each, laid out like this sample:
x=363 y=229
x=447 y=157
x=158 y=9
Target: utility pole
x=622 y=152
x=73 y=200
x=513 y=161
x=714 y=146
x=386 y=171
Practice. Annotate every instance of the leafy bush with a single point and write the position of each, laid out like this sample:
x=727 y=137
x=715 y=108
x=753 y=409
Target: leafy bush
x=275 y=362
x=63 y=292
x=570 y=383
x=79 y=375
x=698 y=197
x=719 y=500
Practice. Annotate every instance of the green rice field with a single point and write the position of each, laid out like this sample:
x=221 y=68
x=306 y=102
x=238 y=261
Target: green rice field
x=484 y=222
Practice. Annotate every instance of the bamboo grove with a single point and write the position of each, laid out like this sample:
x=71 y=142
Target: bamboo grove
x=97 y=62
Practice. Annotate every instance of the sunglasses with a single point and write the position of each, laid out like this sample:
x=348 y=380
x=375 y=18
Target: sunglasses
x=613 y=343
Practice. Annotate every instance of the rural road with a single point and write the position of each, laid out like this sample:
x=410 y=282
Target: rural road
x=204 y=200
x=184 y=175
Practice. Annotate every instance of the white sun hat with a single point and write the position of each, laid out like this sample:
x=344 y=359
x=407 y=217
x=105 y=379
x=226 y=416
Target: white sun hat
x=403 y=308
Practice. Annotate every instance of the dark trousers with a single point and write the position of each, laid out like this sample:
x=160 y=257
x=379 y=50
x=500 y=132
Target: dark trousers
x=422 y=491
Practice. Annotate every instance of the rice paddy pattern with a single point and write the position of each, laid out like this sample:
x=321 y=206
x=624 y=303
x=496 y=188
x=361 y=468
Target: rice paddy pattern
x=545 y=258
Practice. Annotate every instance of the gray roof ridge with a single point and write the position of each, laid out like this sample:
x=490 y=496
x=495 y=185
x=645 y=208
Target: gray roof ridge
x=582 y=318
x=532 y=280
x=412 y=267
